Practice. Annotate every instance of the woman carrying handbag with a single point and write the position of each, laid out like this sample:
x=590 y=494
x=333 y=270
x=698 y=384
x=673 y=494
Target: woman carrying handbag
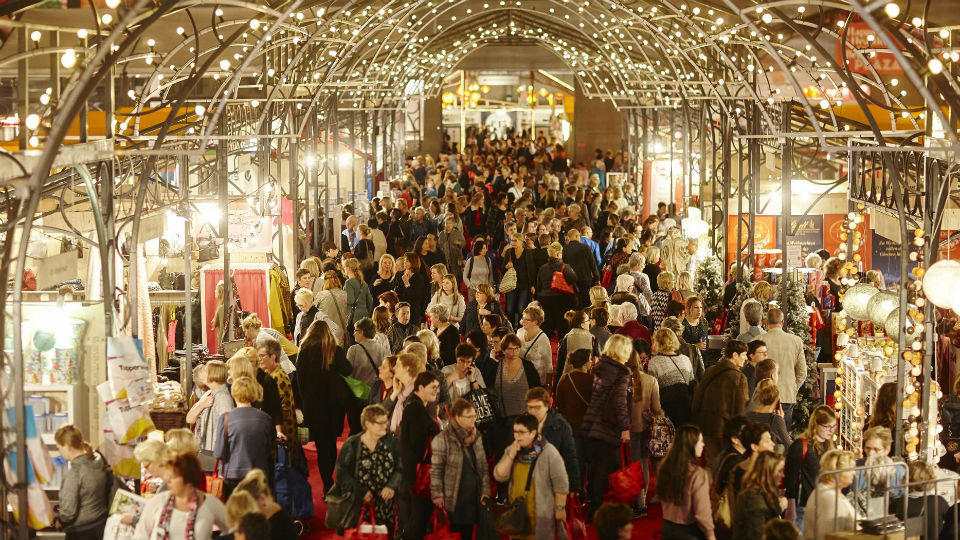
x=532 y=462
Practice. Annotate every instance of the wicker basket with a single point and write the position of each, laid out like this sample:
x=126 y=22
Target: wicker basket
x=167 y=420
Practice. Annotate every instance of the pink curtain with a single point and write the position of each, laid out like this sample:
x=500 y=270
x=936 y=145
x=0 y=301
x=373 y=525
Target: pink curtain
x=252 y=285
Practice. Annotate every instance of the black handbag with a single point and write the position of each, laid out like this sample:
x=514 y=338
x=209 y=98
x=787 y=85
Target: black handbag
x=343 y=507
x=209 y=250
x=485 y=402
x=511 y=517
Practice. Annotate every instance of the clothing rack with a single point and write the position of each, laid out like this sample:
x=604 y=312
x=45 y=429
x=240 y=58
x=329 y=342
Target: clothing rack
x=169 y=298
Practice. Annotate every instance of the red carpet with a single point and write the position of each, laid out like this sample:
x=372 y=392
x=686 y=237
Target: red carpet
x=647 y=528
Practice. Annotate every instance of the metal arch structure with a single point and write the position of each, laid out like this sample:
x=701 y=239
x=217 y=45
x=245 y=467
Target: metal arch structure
x=237 y=78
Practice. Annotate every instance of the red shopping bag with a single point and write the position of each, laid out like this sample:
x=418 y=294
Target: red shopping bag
x=626 y=483
x=720 y=324
x=367 y=530
x=421 y=483
x=441 y=530
x=576 y=518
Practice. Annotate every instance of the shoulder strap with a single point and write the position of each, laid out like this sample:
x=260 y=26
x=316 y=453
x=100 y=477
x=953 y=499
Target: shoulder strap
x=803 y=452
x=369 y=358
x=534 y=342
x=530 y=474
x=684 y=379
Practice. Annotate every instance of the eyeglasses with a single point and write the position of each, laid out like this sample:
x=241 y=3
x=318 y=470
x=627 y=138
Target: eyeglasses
x=829 y=427
x=514 y=348
x=521 y=432
x=469 y=416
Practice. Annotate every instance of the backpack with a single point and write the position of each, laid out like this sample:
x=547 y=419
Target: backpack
x=662 y=433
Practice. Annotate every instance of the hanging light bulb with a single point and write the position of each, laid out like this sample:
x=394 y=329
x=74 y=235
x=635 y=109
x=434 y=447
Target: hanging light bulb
x=113 y=4
x=68 y=59
x=199 y=110
x=32 y=122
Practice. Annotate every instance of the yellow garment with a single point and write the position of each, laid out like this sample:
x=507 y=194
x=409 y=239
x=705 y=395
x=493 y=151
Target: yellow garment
x=275 y=303
x=288 y=347
x=518 y=489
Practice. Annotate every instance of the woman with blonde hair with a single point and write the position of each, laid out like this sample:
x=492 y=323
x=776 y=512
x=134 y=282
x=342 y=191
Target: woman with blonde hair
x=579 y=337
x=429 y=340
x=803 y=462
x=449 y=296
x=238 y=505
x=674 y=373
x=241 y=364
x=386 y=277
x=255 y=333
x=598 y=296
x=485 y=302
x=214 y=403
x=181 y=441
x=323 y=364
x=761 y=293
x=332 y=301
x=437 y=271
x=661 y=297
x=554 y=303
x=652 y=268
x=828 y=510
x=767 y=400
x=359 y=300
x=644 y=406
x=308 y=311
x=536 y=343
x=311 y=265
x=685 y=285
x=247 y=437
x=83 y=501
x=606 y=423
x=281 y=524
x=408 y=367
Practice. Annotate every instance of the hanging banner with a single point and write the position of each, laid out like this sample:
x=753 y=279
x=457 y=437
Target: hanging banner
x=764 y=237
x=806 y=237
x=832 y=229
x=251 y=233
x=859 y=36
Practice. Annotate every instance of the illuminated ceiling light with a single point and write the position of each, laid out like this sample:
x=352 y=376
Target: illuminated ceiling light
x=180 y=30
x=35 y=35
x=824 y=104
x=199 y=110
x=767 y=18
x=113 y=4
x=224 y=64
x=218 y=12
x=32 y=122
x=151 y=43
x=68 y=59
x=44 y=99
x=944 y=33
x=917 y=21
x=82 y=34
x=106 y=18
x=254 y=23
x=255 y=103
x=935 y=65
x=891 y=9
x=34 y=141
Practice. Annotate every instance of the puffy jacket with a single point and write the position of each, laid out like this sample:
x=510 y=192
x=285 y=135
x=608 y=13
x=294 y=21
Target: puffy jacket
x=608 y=414
x=557 y=431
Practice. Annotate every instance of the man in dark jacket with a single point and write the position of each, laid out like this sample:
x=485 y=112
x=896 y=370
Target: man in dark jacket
x=578 y=256
x=556 y=430
x=721 y=395
x=401 y=328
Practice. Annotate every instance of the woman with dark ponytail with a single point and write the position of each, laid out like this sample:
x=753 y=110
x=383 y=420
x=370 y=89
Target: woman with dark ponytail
x=85 y=487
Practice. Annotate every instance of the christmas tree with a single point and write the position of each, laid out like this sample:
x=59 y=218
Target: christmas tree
x=709 y=285
x=744 y=292
x=796 y=321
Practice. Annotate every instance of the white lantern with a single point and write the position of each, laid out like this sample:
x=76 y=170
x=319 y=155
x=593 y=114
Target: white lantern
x=880 y=306
x=892 y=324
x=855 y=301
x=940 y=280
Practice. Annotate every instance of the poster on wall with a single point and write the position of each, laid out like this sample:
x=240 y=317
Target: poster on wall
x=251 y=234
x=833 y=227
x=806 y=237
x=885 y=257
x=764 y=235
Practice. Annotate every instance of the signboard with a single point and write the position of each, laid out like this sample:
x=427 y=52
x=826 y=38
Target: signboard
x=807 y=237
x=251 y=234
x=57 y=269
x=858 y=36
x=498 y=79
x=153 y=226
x=765 y=233
x=886 y=258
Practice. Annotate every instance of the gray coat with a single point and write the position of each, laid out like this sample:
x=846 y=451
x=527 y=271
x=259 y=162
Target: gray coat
x=550 y=478
x=83 y=494
x=447 y=463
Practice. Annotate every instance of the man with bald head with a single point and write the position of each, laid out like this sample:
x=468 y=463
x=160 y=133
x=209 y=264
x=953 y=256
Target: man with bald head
x=349 y=239
x=787 y=351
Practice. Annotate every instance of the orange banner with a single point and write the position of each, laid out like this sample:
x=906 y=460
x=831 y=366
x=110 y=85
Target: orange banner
x=764 y=237
x=833 y=226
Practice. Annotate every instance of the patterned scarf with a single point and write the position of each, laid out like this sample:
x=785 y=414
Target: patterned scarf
x=530 y=454
x=167 y=514
x=467 y=438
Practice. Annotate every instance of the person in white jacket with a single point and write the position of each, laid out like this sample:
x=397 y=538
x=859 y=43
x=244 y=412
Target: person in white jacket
x=828 y=510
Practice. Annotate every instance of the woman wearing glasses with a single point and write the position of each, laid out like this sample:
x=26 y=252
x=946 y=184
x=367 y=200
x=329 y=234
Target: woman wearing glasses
x=458 y=475
x=513 y=377
x=535 y=470
x=369 y=465
x=803 y=461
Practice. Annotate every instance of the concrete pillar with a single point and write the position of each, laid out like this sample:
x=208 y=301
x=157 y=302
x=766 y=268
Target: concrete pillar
x=596 y=124
x=432 y=126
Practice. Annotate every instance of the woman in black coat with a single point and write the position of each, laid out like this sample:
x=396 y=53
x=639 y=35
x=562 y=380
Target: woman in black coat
x=324 y=395
x=483 y=303
x=413 y=289
x=606 y=422
x=555 y=304
x=417 y=429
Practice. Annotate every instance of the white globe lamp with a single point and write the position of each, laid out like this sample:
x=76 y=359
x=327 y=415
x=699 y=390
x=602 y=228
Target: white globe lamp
x=939 y=281
x=880 y=306
x=855 y=301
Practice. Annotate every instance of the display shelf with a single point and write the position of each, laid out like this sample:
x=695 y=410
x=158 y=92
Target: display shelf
x=65 y=398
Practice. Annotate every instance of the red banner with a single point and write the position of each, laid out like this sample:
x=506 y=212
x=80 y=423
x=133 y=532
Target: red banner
x=833 y=227
x=765 y=233
x=858 y=35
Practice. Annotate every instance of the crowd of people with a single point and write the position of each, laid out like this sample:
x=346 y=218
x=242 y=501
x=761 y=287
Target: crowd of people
x=496 y=331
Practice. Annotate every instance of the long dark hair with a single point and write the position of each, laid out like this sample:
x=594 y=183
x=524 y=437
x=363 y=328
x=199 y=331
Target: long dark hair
x=673 y=472
x=885 y=409
x=319 y=337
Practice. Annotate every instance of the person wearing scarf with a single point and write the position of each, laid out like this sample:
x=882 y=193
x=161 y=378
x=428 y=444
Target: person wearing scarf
x=458 y=473
x=547 y=499
x=184 y=512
